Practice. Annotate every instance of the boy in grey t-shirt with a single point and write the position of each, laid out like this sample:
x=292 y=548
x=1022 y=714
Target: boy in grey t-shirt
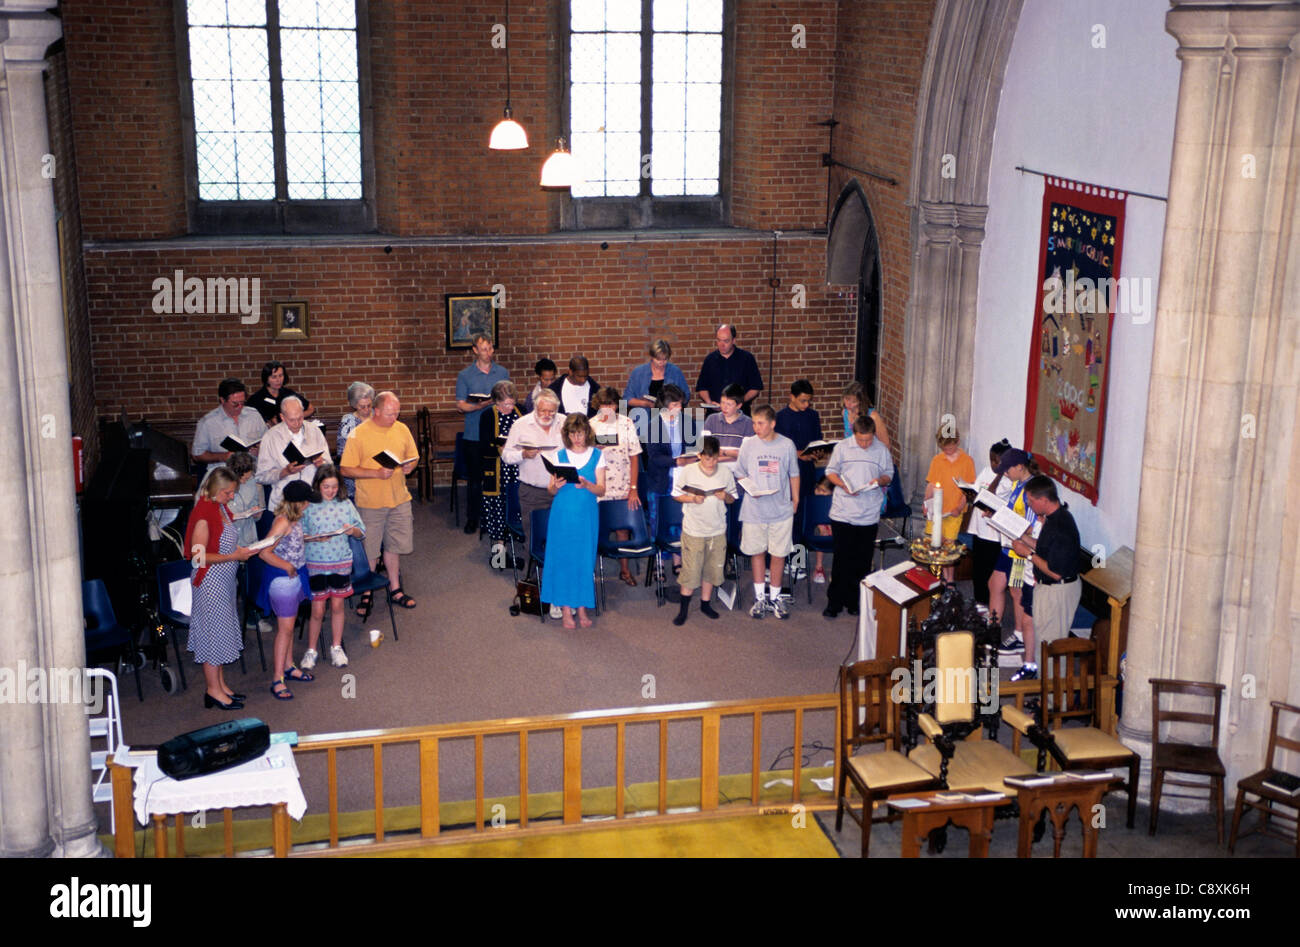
x=768 y=470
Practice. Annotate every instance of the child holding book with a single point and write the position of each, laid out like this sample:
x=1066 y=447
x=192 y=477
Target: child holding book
x=284 y=583
x=327 y=524
x=704 y=490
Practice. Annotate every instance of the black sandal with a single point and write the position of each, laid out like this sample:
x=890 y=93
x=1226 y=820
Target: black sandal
x=401 y=599
x=366 y=604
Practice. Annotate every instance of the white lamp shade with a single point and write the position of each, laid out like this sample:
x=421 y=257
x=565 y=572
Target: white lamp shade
x=508 y=135
x=560 y=170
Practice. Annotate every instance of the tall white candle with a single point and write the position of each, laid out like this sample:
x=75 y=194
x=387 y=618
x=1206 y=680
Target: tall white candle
x=936 y=522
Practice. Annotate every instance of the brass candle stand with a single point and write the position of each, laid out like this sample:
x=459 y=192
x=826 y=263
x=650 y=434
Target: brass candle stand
x=945 y=555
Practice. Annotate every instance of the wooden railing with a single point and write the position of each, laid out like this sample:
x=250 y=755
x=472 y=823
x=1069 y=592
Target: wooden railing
x=572 y=727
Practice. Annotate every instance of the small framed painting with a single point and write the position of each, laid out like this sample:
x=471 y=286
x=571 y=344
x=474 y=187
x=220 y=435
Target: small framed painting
x=468 y=315
x=289 y=320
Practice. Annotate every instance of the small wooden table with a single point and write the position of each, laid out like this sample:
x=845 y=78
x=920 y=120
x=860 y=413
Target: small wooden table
x=1058 y=798
x=975 y=817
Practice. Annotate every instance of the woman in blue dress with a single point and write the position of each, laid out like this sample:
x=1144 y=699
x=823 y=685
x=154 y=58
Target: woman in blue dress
x=573 y=525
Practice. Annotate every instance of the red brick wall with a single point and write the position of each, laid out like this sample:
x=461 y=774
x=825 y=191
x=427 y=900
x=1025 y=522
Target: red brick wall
x=380 y=317
x=881 y=50
x=123 y=87
x=781 y=93
x=81 y=389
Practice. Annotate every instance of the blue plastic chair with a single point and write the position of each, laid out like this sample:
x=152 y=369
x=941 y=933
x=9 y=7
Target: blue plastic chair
x=897 y=508
x=169 y=572
x=252 y=575
x=615 y=516
x=103 y=633
x=739 y=561
x=668 y=541
x=458 y=472
x=817 y=512
x=364 y=580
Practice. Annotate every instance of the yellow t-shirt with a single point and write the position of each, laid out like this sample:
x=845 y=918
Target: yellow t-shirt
x=363 y=444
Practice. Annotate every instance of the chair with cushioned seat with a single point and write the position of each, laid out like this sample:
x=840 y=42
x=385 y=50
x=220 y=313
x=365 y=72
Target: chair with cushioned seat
x=1199 y=759
x=868 y=717
x=1267 y=796
x=1069 y=692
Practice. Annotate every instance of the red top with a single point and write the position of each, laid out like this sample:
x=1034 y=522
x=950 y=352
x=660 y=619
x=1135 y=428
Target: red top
x=207 y=511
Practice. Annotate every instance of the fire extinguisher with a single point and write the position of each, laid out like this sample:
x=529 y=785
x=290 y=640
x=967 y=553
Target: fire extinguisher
x=78 y=462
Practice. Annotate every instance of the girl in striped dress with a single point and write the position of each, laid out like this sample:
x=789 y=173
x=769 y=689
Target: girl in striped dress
x=327 y=524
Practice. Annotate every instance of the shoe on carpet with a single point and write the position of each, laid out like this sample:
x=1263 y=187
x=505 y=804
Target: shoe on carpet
x=759 y=608
x=781 y=606
x=829 y=612
x=1027 y=672
x=471 y=527
x=819 y=576
x=265 y=627
x=1012 y=644
x=557 y=613
x=308 y=659
x=337 y=657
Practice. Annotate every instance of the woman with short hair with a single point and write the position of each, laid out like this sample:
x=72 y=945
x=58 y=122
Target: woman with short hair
x=616 y=436
x=500 y=480
x=275 y=388
x=361 y=399
x=648 y=379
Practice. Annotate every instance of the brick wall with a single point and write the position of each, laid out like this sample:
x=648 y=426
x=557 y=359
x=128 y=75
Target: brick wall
x=379 y=317
x=782 y=91
x=81 y=390
x=880 y=54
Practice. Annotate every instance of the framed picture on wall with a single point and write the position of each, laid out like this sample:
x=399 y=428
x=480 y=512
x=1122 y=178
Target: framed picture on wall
x=468 y=315
x=289 y=320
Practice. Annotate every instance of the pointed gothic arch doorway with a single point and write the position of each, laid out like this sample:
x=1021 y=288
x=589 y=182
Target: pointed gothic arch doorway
x=853 y=257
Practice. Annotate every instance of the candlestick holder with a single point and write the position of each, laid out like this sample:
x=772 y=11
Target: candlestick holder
x=936 y=559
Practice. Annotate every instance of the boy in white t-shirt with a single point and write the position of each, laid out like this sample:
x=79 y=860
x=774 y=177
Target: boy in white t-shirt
x=704 y=489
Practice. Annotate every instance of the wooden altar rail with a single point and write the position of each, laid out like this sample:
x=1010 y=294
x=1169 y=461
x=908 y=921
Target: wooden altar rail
x=710 y=715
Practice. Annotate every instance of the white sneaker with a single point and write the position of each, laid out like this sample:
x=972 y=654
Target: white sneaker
x=780 y=607
x=308 y=659
x=265 y=627
x=337 y=657
x=557 y=613
x=759 y=608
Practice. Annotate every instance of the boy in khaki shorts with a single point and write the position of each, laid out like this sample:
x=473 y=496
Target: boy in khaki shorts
x=704 y=489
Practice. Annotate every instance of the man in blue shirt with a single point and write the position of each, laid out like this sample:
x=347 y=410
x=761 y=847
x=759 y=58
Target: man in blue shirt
x=473 y=396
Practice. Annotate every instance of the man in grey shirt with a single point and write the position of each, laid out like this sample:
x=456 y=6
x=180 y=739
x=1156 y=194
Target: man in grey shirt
x=768 y=470
x=860 y=468
x=227 y=419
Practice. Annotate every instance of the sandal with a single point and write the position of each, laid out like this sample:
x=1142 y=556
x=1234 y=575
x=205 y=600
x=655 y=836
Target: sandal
x=298 y=674
x=280 y=690
x=627 y=579
x=400 y=598
x=366 y=604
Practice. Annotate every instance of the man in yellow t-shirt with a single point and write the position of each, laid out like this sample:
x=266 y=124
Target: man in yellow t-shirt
x=382 y=498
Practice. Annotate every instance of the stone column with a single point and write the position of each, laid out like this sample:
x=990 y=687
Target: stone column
x=45 y=805
x=941 y=329
x=1215 y=586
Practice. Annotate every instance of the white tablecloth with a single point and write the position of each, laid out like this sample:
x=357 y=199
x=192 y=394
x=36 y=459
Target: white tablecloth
x=271 y=778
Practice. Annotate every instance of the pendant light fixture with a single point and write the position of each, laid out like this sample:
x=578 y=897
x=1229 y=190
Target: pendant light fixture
x=560 y=171
x=508 y=135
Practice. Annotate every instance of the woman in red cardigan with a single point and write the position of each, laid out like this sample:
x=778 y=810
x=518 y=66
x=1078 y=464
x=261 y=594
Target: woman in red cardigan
x=211 y=538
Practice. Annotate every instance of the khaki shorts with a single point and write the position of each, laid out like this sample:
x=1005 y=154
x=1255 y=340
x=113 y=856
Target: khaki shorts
x=390 y=528
x=702 y=558
x=773 y=538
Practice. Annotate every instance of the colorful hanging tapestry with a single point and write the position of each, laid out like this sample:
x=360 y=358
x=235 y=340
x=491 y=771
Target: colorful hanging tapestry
x=1076 y=297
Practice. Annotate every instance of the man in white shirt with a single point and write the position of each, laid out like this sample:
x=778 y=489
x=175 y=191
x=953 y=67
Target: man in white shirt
x=275 y=469
x=226 y=420
x=529 y=437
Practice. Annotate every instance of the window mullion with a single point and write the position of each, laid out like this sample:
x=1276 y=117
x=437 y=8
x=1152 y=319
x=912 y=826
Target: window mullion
x=277 y=103
x=647 y=93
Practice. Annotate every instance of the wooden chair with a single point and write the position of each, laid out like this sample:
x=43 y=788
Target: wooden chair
x=1199 y=759
x=1069 y=693
x=869 y=717
x=1253 y=785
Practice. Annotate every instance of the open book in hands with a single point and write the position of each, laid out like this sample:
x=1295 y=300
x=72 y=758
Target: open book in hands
x=567 y=472
x=386 y=458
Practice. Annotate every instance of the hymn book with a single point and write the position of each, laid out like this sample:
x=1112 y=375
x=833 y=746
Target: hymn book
x=753 y=489
x=567 y=472
x=295 y=456
x=236 y=445
x=388 y=459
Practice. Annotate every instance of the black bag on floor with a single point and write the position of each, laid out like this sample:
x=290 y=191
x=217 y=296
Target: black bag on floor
x=528 y=599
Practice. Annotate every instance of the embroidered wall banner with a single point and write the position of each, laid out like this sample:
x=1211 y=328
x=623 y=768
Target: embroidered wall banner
x=1079 y=289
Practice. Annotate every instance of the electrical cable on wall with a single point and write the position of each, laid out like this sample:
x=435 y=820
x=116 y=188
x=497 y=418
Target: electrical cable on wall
x=774 y=281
